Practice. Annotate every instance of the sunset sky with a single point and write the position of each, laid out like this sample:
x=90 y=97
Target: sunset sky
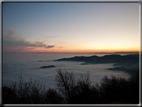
x=71 y=27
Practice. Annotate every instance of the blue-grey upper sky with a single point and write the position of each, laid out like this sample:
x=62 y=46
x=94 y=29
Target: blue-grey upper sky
x=70 y=27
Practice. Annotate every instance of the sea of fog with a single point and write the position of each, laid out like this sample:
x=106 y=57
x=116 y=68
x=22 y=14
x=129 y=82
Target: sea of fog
x=13 y=64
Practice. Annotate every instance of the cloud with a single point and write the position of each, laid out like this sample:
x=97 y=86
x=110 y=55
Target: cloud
x=11 y=39
x=49 y=46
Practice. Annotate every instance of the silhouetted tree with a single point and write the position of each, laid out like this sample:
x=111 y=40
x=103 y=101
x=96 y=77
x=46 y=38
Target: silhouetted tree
x=65 y=82
x=118 y=90
x=23 y=92
x=75 y=90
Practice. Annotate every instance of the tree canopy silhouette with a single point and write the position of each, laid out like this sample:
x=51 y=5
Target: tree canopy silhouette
x=72 y=89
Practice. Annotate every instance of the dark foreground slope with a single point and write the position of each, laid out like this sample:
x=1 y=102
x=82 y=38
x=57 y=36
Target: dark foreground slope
x=73 y=90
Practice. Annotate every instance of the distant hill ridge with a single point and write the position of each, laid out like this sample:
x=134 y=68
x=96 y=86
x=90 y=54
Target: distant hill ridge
x=115 y=58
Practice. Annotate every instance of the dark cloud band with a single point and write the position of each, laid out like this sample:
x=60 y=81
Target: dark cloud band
x=9 y=39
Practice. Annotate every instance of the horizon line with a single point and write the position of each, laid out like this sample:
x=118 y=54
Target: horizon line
x=79 y=52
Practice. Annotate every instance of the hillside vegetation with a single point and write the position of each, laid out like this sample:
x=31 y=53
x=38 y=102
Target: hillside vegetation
x=72 y=89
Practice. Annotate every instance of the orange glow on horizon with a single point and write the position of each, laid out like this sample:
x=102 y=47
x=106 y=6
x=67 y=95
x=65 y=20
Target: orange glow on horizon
x=69 y=50
x=39 y=49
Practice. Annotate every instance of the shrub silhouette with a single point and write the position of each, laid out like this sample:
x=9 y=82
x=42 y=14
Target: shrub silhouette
x=72 y=89
x=8 y=96
x=118 y=90
x=53 y=97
